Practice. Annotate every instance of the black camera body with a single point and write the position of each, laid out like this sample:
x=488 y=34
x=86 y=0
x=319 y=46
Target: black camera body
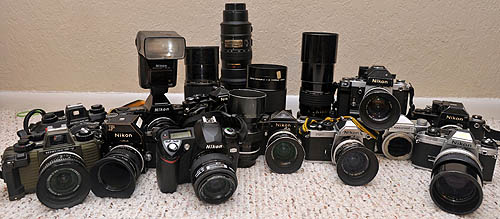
x=429 y=144
x=203 y=155
x=375 y=96
x=443 y=113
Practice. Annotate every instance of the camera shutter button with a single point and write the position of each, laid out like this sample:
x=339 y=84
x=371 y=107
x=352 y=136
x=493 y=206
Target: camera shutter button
x=173 y=147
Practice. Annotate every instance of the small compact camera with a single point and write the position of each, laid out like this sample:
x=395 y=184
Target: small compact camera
x=459 y=163
x=397 y=141
x=56 y=168
x=374 y=96
x=343 y=143
x=205 y=155
x=443 y=113
x=283 y=151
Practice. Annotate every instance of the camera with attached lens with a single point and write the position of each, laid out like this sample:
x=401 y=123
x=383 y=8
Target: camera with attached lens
x=283 y=151
x=204 y=154
x=459 y=163
x=375 y=97
x=343 y=143
x=397 y=141
x=56 y=168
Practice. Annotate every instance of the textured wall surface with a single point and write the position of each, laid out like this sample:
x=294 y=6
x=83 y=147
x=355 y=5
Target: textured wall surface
x=444 y=48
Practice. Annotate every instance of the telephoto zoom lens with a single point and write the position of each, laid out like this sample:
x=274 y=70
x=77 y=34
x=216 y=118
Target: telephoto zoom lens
x=250 y=105
x=202 y=70
x=64 y=180
x=318 y=56
x=116 y=174
x=270 y=79
x=356 y=164
x=236 y=46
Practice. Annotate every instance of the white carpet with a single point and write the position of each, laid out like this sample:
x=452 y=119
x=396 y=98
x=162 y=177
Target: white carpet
x=315 y=191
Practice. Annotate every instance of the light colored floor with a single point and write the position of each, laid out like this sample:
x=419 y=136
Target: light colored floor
x=315 y=191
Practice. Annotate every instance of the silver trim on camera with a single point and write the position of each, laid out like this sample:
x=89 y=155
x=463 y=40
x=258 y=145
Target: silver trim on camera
x=340 y=145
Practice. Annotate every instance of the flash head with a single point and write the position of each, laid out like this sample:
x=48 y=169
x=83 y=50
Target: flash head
x=158 y=55
x=160 y=45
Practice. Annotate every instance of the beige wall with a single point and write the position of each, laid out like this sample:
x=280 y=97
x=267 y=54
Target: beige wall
x=444 y=48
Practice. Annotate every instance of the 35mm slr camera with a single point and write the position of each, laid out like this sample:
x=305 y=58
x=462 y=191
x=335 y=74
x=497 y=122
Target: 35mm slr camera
x=375 y=96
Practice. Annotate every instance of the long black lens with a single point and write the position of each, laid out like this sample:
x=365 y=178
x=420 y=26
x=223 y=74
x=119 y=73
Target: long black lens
x=214 y=179
x=250 y=105
x=202 y=70
x=115 y=175
x=236 y=46
x=318 y=56
x=64 y=181
x=456 y=182
x=356 y=165
x=270 y=79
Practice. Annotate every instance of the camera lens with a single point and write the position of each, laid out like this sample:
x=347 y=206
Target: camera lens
x=202 y=70
x=63 y=181
x=379 y=110
x=236 y=46
x=214 y=179
x=397 y=146
x=284 y=152
x=115 y=175
x=250 y=105
x=356 y=165
x=270 y=79
x=318 y=56
x=456 y=181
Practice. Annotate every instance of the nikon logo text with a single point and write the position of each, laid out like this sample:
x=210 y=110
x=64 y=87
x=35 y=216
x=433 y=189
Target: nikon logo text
x=214 y=146
x=123 y=135
x=378 y=81
x=456 y=118
x=161 y=109
x=461 y=143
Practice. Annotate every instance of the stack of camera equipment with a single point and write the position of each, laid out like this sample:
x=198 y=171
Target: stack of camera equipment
x=228 y=122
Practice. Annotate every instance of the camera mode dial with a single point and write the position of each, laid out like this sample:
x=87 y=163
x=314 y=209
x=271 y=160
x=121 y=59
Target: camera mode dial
x=84 y=134
x=24 y=145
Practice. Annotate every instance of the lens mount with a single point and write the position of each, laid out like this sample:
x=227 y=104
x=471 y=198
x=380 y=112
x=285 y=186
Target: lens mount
x=456 y=185
x=356 y=164
x=284 y=152
x=116 y=174
x=379 y=109
x=398 y=146
x=63 y=181
x=213 y=177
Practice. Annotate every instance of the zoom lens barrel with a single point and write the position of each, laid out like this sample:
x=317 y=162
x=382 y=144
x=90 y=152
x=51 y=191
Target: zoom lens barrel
x=116 y=174
x=270 y=79
x=318 y=56
x=202 y=70
x=250 y=105
x=236 y=46
x=214 y=180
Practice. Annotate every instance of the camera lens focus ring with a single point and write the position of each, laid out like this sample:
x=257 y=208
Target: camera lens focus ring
x=356 y=164
x=284 y=152
x=64 y=180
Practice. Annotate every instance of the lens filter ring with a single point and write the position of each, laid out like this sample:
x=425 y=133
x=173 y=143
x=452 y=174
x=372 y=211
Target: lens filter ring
x=356 y=164
x=63 y=181
x=284 y=152
x=379 y=110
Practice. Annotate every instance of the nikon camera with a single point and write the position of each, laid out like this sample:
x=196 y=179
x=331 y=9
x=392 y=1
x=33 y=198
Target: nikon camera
x=205 y=154
x=56 y=168
x=397 y=142
x=375 y=97
x=344 y=144
x=459 y=163
x=443 y=113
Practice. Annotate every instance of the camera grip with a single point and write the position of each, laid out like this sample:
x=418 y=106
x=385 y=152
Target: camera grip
x=167 y=173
